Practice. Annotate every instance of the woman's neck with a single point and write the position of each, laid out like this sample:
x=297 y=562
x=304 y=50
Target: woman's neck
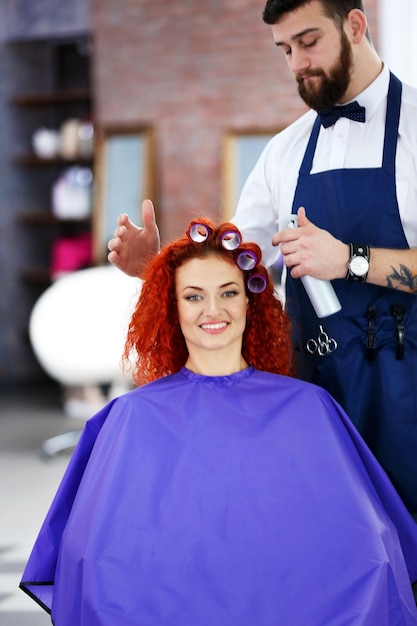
x=214 y=364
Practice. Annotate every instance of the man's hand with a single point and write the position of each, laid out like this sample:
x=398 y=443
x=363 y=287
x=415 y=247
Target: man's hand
x=311 y=250
x=132 y=247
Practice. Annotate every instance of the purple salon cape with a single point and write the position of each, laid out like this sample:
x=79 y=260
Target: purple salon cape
x=242 y=500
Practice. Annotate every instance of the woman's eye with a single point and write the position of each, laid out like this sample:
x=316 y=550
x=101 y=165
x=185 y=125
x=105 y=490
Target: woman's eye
x=230 y=294
x=193 y=297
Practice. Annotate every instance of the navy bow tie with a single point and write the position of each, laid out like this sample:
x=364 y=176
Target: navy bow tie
x=354 y=111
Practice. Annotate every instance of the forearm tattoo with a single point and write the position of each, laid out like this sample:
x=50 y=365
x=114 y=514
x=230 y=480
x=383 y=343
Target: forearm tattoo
x=401 y=278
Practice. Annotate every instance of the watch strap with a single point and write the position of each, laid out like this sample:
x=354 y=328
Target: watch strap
x=357 y=250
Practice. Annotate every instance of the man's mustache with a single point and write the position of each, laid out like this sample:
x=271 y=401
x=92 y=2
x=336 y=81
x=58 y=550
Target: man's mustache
x=302 y=75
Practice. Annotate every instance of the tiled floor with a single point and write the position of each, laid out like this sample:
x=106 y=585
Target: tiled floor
x=27 y=485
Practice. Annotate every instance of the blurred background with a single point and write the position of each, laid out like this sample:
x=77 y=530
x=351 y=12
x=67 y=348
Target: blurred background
x=102 y=104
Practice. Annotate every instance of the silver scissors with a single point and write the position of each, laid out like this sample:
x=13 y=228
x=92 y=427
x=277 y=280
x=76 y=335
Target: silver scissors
x=322 y=345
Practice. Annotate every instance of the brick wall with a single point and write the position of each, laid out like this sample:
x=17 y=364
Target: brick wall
x=194 y=71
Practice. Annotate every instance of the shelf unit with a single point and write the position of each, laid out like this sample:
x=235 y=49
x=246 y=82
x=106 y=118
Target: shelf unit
x=66 y=95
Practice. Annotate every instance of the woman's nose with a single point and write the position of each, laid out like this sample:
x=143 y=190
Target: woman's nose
x=213 y=306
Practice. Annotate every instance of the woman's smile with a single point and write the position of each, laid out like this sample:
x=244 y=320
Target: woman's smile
x=214 y=327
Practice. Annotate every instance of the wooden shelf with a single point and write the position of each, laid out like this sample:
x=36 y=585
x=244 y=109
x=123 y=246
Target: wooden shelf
x=31 y=160
x=45 y=218
x=37 y=276
x=58 y=97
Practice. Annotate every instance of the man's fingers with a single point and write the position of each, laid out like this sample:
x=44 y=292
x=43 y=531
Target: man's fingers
x=123 y=219
x=113 y=257
x=148 y=215
x=302 y=217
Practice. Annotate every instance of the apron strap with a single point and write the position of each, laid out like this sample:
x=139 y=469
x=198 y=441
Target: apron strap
x=307 y=163
x=392 y=121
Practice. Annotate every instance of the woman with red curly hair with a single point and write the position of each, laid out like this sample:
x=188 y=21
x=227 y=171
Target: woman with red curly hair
x=223 y=492
x=155 y=337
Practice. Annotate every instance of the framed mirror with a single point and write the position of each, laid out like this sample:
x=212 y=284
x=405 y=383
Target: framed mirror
x=123 y=178
x=241 y=150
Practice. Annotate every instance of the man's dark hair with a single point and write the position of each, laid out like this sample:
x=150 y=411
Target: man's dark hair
x=337 y=10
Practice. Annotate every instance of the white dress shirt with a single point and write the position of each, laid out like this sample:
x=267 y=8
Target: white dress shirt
x=269 y=190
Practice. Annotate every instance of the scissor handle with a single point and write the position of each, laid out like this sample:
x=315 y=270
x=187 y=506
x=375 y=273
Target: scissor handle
x=311 y=346
x=323 y=337
x=332 y=344
x=323 y=348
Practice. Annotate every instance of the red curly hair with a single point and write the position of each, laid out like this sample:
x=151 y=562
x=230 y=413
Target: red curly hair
x=155 y=346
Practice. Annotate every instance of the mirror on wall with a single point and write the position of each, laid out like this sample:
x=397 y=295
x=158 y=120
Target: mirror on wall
x=123 y=179
x=241 y=150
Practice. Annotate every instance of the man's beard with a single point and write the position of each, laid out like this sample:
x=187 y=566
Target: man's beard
x=334 y=86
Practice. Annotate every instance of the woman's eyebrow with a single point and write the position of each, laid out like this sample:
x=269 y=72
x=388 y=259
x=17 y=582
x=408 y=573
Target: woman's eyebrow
x=192 y=287
x=232 y=282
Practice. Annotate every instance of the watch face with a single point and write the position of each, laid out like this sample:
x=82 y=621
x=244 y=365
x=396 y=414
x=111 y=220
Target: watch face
x=359 y=265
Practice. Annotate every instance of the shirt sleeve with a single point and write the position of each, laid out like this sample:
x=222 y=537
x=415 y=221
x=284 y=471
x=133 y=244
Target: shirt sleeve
x=268 y=193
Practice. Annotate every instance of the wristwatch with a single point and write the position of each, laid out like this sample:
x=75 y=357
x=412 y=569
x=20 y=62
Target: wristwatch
x=358 y=266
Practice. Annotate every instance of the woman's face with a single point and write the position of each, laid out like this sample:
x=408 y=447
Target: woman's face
x=211 y=303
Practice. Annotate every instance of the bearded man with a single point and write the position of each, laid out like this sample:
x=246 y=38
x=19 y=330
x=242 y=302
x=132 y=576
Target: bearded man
x=350 y=165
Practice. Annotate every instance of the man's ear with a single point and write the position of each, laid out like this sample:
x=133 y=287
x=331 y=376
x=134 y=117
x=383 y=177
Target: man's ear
x=357 y=25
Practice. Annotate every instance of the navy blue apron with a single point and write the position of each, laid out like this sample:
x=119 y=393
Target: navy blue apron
x=373 y=371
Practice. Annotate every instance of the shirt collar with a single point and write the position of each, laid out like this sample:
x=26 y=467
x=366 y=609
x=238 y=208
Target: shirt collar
x=375 y=93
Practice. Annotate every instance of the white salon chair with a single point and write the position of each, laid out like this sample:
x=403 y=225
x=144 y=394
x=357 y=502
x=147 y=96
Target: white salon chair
x=77 y=330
